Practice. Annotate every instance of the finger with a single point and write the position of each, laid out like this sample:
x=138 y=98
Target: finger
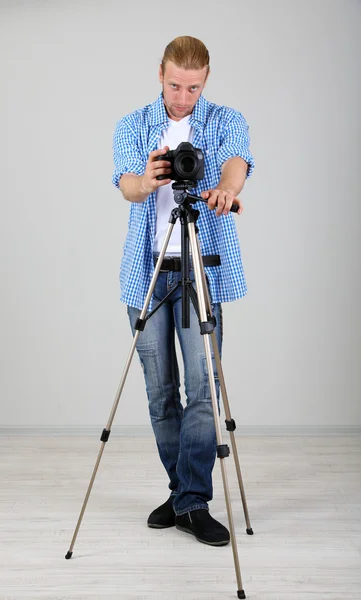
x=228 y=204
x=162 y=165
x=238 y=204
x=161 y=182
x=205 y=195
x=159 y=152
x=212 y=200
x=161 y=173
x=156 y=172
x=221 y=201
x=240 y=209
x=158 y=164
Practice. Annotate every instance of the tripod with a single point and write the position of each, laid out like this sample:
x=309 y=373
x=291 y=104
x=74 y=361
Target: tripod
x=201 y=301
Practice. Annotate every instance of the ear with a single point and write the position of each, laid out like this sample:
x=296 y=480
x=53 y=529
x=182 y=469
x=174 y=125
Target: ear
x=160 y=74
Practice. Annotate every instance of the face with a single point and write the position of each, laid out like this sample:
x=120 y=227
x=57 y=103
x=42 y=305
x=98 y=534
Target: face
x=181 y=89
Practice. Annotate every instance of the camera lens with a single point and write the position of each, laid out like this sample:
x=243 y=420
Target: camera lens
x=185 y=165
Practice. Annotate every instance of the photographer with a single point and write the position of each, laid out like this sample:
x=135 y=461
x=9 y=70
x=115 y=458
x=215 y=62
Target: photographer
x=185 y=437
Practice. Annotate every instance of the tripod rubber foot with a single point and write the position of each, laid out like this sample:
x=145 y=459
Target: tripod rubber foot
x=68 y=555
x=249 y=531
x=241 y=594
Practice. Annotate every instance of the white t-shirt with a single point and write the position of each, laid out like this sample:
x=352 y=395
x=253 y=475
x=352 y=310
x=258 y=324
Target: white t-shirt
x=177 y=132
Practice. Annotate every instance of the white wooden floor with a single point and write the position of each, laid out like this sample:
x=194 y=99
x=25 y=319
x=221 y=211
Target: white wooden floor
x=303 y=496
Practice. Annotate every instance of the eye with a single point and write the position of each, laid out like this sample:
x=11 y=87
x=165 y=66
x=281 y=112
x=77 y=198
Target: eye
x=173 y=86
x=194 y=88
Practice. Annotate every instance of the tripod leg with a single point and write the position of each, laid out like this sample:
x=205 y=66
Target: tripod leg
x=222 y=449
x=104 y=438
x=106 y=432
x=231 y=425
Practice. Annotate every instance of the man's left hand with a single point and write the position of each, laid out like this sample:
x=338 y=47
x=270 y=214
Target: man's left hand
x=222 y=201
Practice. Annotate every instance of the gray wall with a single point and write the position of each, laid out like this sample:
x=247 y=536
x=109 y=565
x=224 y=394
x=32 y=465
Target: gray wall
x=70 y=70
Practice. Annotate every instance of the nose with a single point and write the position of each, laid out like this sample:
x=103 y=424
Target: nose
x=183 y=98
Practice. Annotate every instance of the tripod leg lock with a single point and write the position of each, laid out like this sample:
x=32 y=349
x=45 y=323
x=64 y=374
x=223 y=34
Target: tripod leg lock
x=207 y=327
x=230 y=425
x=105 y=435
x=140 y=324
x=222 y=451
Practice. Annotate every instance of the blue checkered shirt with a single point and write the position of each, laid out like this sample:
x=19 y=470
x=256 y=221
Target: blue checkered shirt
x=221 y=133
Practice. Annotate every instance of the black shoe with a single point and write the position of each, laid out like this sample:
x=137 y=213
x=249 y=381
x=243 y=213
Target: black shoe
x=163 y=516
x=204 y=528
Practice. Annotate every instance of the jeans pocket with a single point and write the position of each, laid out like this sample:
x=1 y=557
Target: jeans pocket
x=151 y=369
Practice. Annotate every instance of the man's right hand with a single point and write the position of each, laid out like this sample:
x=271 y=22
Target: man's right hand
x=149 y=181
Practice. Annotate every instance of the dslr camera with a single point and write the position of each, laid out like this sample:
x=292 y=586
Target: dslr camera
x=186 y=162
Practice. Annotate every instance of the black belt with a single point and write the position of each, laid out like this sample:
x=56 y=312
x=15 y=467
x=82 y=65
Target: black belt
x=173 y=263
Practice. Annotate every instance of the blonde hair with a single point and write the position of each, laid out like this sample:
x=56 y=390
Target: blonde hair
x=186 y=52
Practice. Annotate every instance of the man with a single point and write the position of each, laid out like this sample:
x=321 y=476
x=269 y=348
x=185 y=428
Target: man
x=185 y=436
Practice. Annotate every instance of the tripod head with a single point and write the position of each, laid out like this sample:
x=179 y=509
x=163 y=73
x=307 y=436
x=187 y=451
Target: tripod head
x=183 y=197
x=181 y=192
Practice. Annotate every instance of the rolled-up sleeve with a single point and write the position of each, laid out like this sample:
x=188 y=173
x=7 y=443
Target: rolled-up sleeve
x=126 y=154
x=235 y=142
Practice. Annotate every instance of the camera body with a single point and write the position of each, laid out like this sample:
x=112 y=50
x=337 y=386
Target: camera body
x=187 y=163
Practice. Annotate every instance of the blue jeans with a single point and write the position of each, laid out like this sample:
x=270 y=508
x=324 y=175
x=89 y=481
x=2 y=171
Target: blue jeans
x=185 y=436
